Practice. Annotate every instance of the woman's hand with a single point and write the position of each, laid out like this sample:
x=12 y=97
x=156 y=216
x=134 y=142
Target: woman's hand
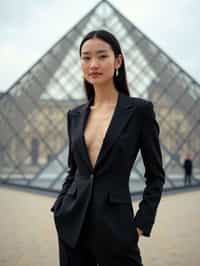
x=139 y=231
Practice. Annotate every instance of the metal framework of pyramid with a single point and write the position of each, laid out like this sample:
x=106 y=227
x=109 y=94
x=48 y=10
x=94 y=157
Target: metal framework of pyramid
x=33 y=136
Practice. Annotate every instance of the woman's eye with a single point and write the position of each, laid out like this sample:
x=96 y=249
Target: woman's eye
x=85 y=58
x=103 y=56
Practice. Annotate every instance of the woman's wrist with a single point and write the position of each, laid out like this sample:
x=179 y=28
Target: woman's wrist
x=139 y=231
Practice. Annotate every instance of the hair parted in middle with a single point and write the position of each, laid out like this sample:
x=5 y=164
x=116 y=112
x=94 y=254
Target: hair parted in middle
x=119 y=78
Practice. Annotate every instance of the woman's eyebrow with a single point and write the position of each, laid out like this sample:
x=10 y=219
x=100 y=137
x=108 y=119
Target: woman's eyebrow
x=85 y=53
x=101 y=51
x=97 y=52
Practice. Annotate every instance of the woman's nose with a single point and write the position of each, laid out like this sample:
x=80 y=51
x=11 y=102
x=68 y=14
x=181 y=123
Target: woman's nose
x=94 y=63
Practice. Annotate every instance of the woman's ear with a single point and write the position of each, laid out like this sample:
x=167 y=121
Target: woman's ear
x=118 y=61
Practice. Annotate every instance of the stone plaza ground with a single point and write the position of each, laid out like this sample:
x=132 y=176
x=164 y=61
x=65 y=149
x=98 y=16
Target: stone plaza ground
x=28 y=236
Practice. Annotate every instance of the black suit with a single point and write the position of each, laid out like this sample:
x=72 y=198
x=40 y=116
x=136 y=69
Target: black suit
x=106 y=186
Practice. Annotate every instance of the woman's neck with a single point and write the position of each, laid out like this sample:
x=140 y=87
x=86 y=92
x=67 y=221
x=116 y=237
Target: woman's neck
x=105 y=95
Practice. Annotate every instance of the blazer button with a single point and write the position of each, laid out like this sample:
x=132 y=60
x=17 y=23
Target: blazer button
x=91 y=176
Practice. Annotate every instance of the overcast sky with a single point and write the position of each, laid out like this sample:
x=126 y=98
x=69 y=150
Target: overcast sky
x=29 y=28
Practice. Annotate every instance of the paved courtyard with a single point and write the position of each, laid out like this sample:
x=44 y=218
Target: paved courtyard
x=28 y=236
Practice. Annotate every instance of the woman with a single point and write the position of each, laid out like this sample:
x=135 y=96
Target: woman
x=93 y=213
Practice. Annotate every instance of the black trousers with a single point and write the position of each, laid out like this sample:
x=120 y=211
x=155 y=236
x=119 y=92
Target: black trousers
x=88 y=252
x=187 y=179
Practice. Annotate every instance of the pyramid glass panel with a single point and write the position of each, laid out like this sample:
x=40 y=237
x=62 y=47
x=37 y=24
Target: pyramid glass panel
x=33 y=124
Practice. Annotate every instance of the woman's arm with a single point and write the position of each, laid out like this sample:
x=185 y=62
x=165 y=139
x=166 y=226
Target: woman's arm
x=71 y=165
x=154 y=172
x=71 y=162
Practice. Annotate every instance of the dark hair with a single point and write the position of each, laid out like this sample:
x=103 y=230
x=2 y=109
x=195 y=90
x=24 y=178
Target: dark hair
x=120 y=81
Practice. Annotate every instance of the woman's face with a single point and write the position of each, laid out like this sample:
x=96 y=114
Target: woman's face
x=98 y=61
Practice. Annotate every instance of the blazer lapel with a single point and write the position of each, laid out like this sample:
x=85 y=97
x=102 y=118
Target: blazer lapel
x=122 y=113
x=80 y=116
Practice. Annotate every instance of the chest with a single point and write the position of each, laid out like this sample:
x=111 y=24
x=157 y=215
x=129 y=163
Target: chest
x=95 y=131
x=93 y=136
x=96 y=128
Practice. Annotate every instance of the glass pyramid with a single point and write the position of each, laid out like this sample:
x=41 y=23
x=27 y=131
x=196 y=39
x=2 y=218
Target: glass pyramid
x=33 y=137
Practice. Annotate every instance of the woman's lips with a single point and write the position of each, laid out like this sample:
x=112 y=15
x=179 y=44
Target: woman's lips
x=95 y=74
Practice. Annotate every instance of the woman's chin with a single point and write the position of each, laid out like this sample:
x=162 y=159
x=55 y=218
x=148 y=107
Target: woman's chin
x=98 y=82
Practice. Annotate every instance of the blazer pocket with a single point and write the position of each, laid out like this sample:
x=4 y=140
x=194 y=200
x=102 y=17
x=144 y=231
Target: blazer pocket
x=57 y=203
x=114 y=197
x=72 y=190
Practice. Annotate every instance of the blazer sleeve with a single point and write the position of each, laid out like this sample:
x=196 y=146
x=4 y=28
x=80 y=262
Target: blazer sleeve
x=71 y=166
x=154 y=172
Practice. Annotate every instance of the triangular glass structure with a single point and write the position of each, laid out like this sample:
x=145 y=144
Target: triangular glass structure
x=33 y=139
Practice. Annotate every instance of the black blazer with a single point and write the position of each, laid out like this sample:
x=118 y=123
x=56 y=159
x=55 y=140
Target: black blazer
x=132 y=127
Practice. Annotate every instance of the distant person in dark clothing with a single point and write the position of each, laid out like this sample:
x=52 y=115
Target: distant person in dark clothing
x=188 y=170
